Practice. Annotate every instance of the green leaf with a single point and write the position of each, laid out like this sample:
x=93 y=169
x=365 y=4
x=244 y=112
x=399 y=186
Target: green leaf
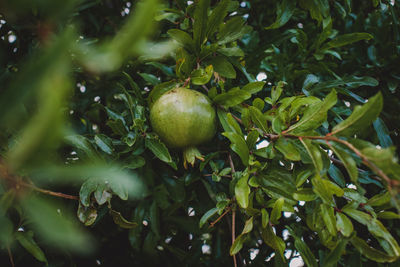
x=159 y=149
x=55 y=225
x=346 y=39
x=134 y=162
x=26 y=240
x=287 y=149
x=370 y=252
x=202 y=76
x=276 y=212
x=258 y=118
x=321 y=188
x=233 y=124
x=276 y=92
x=349 y=82
x=388 y=215
x=272 y=240
x=304 y=250
x=104 y=143
x=217 y=17
x=149 y=78
x=183 y=38
x=305 y=194
x=383 y=133
x=200 y=23
x=377 y=229
x=344 y=224
x=328 y=217
x=232 y=98
x=87 y=215
x=315 y=154
x=239 y=146
x=314 y=115
x=380 y=199
x=121 y=221
x=334 y=256
x=207 y=216
x=238 y=243
x=361 y=117
x=264 y=218
x=242 y=192
x=284 y=12
x=231 y=51
x=318 y=9
x=253 y=87
x=347 y=160
x=159 y=90
x=251 y=139
x=232 y=30
x=223 y=67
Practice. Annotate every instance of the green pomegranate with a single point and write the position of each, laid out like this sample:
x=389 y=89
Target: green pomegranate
x=184 y=118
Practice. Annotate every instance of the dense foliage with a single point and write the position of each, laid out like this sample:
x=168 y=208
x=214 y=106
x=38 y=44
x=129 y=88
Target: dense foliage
x=303 y=164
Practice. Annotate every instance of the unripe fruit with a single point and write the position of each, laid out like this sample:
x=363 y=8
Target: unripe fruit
x=183 y=118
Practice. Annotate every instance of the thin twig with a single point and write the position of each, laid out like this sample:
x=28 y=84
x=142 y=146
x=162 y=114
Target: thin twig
x=48 y=192
x=210 y=174
x=5 y=174
x=231 y=163
x=220 y=217
x=10 y=256
x=365 y=160
x=234 y=235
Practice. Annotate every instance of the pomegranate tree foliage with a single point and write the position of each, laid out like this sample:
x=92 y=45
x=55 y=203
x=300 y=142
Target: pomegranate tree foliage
x=303 y=163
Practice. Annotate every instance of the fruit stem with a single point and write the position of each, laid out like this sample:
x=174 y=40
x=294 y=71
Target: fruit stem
x=190 y=154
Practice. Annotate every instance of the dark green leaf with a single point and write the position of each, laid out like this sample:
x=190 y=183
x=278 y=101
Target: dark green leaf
x=182 y=38
x=217 y=17
x=207 y=216
x=370 y=252
x=382 y=133
x=242 y=191
x=159 y=149
x=314 y=115
x=346 y=39
x=202 y=76
x=343 y=224
x=231 y=98
x=223 y=67
x=239 y=146
x=361 y=117
x=258 y=118
x=121 y=221
x=200 y=23
x=287 y=149
x=253 y=87
x=347 y=160
x=104 y=143
x=26 y=240
x=284 y=12
x=276 y=212
x=334 y=256
x=329 y=219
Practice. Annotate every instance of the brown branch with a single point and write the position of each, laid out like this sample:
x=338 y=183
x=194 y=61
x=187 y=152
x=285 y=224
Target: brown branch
x=220 y=217
x=237 y=119
x=234 y=235
x=16 y=180
x=210 y=174
x=365 y=160
x=48 y=192
x=10 y=256
x=231 y=163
